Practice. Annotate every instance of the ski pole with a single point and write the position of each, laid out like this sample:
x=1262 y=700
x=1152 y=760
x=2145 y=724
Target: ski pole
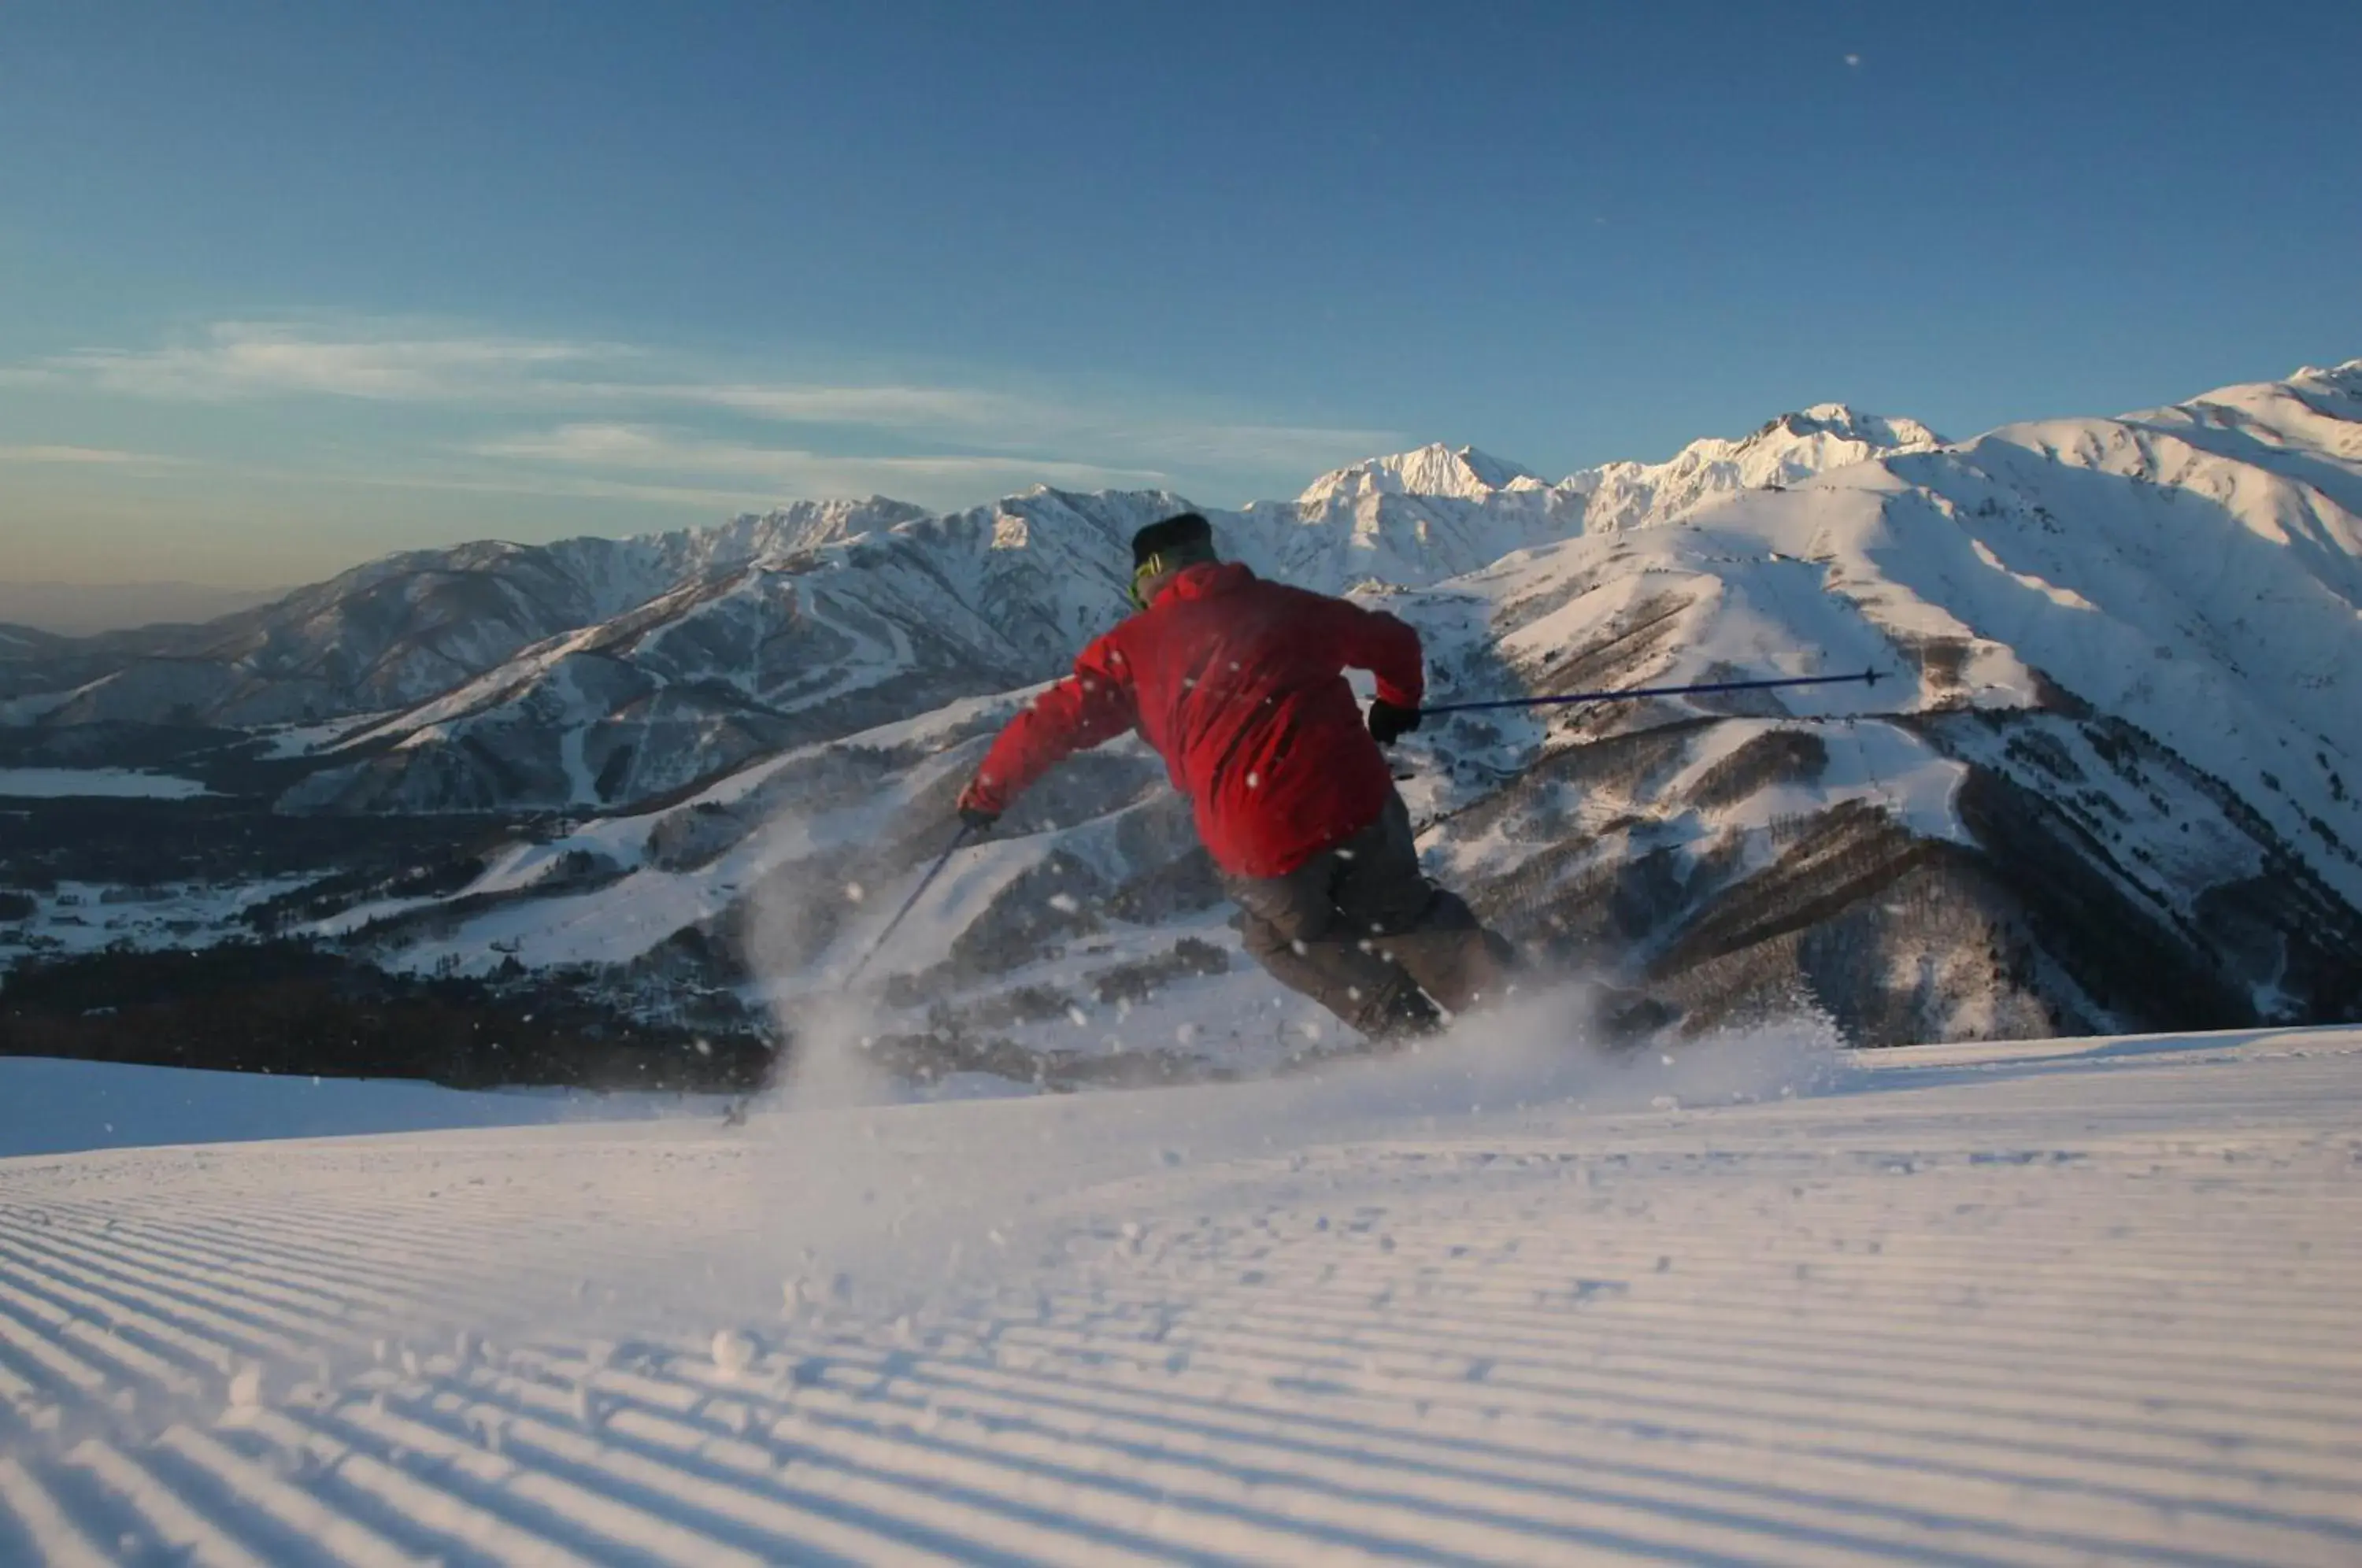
x=1867 y=678
x=908 y=904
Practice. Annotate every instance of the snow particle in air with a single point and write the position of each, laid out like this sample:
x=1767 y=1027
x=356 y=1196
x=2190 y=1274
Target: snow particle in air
x=734 y=1350
x=854 y=892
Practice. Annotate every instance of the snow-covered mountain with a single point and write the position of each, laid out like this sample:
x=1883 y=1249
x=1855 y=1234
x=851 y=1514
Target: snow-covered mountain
x=406 y=630
x=2111 y=779
x=808 y=637
x=1787 y=450
x=1417 y=518
x=1457 y=473
x=822 y=622
x=407 y=627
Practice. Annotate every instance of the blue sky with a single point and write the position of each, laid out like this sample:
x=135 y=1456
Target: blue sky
x=283 y=287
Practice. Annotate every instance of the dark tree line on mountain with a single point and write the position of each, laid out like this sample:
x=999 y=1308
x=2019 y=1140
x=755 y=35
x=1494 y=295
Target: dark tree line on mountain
x=295 y=1009
x=144 y=843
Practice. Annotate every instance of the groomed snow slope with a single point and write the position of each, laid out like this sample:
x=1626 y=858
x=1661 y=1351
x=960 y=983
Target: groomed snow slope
x=2065 y=1303
x=50 y=1107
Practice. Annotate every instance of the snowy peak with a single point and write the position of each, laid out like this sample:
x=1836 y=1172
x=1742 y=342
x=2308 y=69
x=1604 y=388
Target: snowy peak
x=1438 y=490
x=1791 y=449
x=1461 y=473
x=782 y=531
x=2316 y=412
x=2341 y=381
x=1838 y=423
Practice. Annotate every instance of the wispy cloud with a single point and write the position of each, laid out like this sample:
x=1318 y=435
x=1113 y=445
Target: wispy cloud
x=655 y=449
x=812 y=403
x=1306 y=449
x=233 y=359
x=599 y=407
x=100 y=455
x=399 y=362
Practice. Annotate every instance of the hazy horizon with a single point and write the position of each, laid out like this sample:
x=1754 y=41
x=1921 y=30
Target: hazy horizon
x=84 y=609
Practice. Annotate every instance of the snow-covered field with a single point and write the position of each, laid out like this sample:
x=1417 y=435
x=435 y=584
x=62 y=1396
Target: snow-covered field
x=58 y=1108
x=88 y=917
x=2080 y=1301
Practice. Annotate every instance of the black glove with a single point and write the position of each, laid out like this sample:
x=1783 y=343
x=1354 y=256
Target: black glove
x=974 y=815
x=1390 y=723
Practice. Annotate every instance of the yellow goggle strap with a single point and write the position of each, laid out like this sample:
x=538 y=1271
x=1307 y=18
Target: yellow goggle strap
x=1153 y=567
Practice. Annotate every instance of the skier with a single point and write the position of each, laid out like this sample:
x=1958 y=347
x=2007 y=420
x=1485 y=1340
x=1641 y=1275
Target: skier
x=1238 y=682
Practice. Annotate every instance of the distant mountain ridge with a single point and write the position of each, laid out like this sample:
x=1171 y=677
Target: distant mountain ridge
x=1462 y=473
x=2114 y=779
x=430 y=635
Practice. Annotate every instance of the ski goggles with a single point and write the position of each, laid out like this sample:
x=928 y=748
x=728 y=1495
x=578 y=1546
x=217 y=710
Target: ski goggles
x=1160 y=563
x=1142 y=575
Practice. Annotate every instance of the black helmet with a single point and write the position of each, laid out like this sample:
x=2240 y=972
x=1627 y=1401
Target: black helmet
x=1167 y=547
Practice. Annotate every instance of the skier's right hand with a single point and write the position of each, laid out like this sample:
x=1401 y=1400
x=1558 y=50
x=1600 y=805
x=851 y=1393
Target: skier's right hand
x=974 y=814
x=1390 y=723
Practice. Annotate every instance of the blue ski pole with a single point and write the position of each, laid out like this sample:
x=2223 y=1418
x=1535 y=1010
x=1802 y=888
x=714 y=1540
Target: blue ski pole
x=1867 y=678
x=908 y=904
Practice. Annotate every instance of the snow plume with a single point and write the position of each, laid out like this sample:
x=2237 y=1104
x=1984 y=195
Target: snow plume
x=806 y=926
x=828 y=1065
x=840 y=1210
x=1550 y=1050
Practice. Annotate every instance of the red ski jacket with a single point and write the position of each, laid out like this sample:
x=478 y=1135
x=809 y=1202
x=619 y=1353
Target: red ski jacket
x=1239 y=684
